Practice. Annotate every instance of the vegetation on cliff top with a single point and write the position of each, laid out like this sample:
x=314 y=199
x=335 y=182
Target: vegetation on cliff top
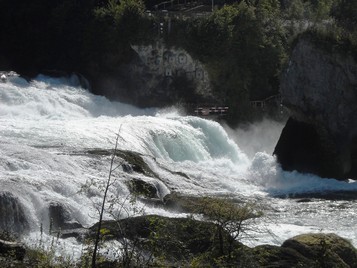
x=243 y=44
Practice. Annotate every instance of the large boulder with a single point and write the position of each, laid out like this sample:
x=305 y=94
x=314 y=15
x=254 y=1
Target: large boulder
x=327 y=250
x=12 y=215
x=301 y=147
x=319 y=87
x=308 y=250
x=61 y=217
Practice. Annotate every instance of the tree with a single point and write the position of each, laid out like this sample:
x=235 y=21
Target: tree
x=323 y=10
x=346 y=14
x=230 y=217
x=101 y=213
x=297 y=10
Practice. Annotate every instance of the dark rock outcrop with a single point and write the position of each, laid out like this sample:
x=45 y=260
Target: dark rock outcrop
x=153 y=76
x=174 y=238
x=301 y=147
x=12 y=214
x=319 y=87
x=133 y=161
x=61 y=218
x=11 y=250
x=143 y=188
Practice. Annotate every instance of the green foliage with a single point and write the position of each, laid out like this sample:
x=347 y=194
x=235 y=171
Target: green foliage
x=113 y=28
x=323 y=9
x=126 y=15
x=268 y=9
x=243 y=46
x=7 y=236
x=346 y=13
x=333 y=41
x=41 y=256
x=298 y=10
x=229 y=217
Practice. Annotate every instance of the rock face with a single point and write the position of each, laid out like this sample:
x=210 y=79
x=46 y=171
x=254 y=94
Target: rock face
x=61 y=218
x=319 y=87
x=301 y=147
x=156 y=76
x=12 y=214
x=169 y=64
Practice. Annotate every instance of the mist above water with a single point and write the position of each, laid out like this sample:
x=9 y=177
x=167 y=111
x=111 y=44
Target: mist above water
x=261 y=136
x=47 y=126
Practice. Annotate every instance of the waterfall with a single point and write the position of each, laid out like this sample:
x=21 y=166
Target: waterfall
x=50 y=127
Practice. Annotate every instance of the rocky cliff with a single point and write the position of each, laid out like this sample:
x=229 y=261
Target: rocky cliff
x=156 y=76
x=319 y=86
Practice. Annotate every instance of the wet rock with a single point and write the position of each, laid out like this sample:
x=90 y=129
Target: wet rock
x=143 y=188
x=61 y=217
x=12 y=214
x=127 y=168
x=79 y=234
x=133 y=161
x=12 y=250
x=179 y=202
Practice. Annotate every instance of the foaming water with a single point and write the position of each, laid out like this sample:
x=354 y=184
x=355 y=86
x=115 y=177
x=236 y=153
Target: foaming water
x=50 y=98
x=48 y=125
x=276 y=182
x=257 y=137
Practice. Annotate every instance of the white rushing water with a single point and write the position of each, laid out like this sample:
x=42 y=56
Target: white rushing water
x=47 y=126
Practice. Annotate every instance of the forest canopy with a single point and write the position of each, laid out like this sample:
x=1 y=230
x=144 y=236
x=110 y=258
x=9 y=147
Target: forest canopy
x=243 y=44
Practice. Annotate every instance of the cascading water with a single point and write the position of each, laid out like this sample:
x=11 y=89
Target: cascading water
x=48 y=125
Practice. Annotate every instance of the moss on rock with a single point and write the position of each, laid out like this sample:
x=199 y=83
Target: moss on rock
x=173 y=239
x=134 y=159
x=142 y=188
x=328 y=250
x=274 y=256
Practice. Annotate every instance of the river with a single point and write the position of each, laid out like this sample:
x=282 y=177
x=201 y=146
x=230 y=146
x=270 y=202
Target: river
x=48 y=125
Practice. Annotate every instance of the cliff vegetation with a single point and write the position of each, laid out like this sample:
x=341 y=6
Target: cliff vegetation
x=243 y=44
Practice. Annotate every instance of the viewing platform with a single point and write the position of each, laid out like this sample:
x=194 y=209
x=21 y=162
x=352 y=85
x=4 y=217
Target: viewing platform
x=215 y=110
x=206 y=110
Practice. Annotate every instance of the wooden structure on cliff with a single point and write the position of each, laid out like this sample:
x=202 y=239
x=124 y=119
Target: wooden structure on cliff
x=207 y=110
x=271 y=101
x=213 y=110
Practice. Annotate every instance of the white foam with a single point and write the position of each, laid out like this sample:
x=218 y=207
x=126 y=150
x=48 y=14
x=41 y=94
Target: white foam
x=47 y=126
x=265 y=171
